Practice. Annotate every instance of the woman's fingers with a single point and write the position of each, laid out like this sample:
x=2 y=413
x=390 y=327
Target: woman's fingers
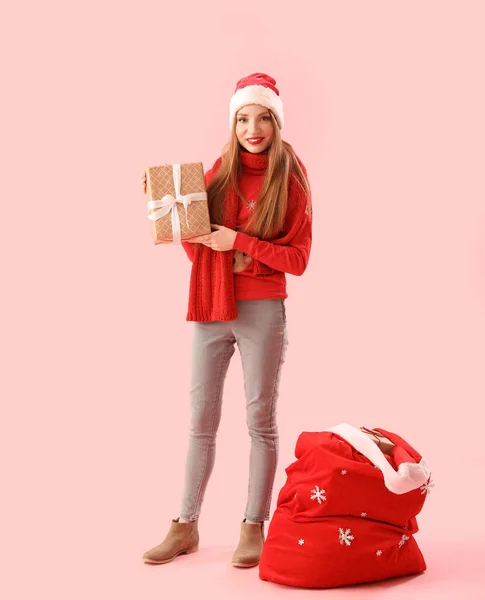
x=200 y=239
x=206 y=240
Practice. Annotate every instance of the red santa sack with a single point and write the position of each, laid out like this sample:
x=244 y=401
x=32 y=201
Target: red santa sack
x=347 y=513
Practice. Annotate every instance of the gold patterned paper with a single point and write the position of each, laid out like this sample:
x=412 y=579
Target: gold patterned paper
x=159 y=183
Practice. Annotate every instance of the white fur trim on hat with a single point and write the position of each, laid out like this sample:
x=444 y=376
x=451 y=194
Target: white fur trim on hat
x=409 y=476
x=256 y=94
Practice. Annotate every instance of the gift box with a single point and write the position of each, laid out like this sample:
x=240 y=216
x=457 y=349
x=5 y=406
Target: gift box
x=177 y=205
x=384 y=444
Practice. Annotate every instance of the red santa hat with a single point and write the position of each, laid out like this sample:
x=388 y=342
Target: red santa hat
x=257 y=88
x=410 y=474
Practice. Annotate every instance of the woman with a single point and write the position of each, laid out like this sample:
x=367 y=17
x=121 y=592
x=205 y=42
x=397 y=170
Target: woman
x=260 y=207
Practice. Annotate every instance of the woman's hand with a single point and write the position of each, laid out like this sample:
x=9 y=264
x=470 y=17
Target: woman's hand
x=144 y=182
x=221 y=240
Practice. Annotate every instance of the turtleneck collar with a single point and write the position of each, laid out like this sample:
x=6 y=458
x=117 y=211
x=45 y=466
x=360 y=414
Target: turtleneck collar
x=253 y=164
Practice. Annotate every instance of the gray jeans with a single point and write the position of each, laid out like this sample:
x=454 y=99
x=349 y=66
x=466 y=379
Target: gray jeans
x=260 y=334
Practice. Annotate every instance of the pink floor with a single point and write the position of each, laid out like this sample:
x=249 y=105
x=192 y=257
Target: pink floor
x=455 y=571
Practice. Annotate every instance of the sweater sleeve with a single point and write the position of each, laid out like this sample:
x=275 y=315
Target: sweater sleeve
x=291 y=258
x=187 y=246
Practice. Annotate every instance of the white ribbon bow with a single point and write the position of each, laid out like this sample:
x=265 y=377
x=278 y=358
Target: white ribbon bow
x=169 y=203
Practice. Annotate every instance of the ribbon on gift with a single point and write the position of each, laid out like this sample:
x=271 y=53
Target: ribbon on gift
x=169 y=204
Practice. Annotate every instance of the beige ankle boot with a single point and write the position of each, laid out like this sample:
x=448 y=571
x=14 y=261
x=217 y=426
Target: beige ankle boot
x=250 y=545
x=182 y=538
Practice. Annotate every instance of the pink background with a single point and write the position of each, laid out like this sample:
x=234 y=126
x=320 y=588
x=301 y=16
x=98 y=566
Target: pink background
x=384 y=104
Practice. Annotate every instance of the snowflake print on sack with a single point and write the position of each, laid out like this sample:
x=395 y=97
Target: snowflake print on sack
x=403 y=540
x=318 y=494
x=343 y=472
x=378 y=552
x=345 y=536
x=301 y=542
x=364 y=514
x=426 y=488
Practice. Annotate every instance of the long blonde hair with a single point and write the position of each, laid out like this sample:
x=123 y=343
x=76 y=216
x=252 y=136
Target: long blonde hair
x=269 y=216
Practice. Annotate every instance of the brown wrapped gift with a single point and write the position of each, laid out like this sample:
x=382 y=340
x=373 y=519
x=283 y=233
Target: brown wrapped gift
x=177 y=204
x=384 y=444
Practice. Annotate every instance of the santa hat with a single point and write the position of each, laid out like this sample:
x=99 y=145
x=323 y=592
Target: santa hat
x=257 y=88
x=411 y=473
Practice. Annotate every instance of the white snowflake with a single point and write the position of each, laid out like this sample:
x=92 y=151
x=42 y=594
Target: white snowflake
x=251 y=204
x=379 y=552
x=318 y=494
x=343 y=472
x=301 y=542
x=346 y=536
x=364 y=514
x=403 y=540
x=426 y=488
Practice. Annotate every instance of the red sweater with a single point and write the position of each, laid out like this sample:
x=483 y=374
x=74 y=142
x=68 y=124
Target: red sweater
x=255 y=283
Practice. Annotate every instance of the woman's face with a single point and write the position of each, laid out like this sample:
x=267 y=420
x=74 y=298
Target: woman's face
x=254 y=128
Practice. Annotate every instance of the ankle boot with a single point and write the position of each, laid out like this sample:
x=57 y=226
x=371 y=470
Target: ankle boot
x=250 y=545
x=182 y=538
